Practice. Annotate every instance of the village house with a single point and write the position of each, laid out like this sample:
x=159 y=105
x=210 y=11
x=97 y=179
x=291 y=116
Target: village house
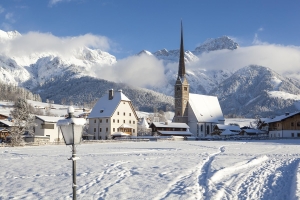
x=46 y=130
x=287 y=125
x=200 y=112
x=113 y=115
x=223 y=130
x=5 y=126
x=170 y=129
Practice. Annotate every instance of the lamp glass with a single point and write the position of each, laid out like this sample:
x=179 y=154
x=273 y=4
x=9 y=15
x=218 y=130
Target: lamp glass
x=72 y=133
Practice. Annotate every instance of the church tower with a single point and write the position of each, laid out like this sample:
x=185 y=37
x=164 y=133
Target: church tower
x=181 y=89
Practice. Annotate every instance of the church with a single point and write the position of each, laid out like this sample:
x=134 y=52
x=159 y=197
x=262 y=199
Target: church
x=200 y=112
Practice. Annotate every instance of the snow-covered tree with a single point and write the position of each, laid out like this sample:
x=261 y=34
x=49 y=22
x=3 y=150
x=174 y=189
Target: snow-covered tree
x=23 y=121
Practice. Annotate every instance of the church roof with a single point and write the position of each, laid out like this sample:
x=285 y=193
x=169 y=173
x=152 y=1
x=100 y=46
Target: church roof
x=106 y=107
x=206 y=108
x=181 y=68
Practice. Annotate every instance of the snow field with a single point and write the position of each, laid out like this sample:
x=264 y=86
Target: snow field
x=155 y=170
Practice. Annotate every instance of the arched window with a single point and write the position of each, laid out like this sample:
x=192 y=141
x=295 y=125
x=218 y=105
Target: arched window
x=207 y=129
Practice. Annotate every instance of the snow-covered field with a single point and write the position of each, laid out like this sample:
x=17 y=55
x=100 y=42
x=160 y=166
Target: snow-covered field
x=155 y=170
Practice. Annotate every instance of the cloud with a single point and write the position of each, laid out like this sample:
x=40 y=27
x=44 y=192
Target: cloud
x=140 y=71
x=53 y=2
x=9 y=17
x=261 y=29
x=1 y=9
x=277 y=57
x=35 y=42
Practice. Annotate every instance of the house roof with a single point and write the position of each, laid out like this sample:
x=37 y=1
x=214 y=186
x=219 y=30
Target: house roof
x=206 y=108
x=170 y=125
x=49 y=118
x=228 y=127
x=144 y=123
x=185 y=133
x=6 y=122
x=281 y=117
x=105 y=107
x=228 y=132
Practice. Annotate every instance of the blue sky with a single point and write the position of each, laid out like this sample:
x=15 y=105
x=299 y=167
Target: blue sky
x=134 y=25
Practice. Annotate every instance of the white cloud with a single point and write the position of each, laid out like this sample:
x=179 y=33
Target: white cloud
x=141 y=71
x=277 y=57
x=53 y=2
x=1 y=9
x=9 y=17
x=34 y=42
x=261 y=29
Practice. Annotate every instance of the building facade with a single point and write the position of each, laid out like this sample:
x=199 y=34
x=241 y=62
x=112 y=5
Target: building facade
x=111 y=114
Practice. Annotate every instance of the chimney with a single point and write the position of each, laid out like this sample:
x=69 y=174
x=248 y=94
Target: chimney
x=287 y=113
x=120 y=91
x=111 y=94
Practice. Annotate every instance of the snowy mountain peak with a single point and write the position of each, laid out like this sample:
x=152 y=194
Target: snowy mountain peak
x=220 y=43
x=145 y=52
x=8 y=35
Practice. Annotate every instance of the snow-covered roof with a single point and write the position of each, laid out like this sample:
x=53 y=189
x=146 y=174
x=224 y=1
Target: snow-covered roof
x=187 y=133
x=281 y=117
x=49 y=118
x=68 y=121
x=170 y=125
x=228 y=132
x=6 y=122
x=228 y=127
x=206 y=108
x=106 y=107
x=144 y=123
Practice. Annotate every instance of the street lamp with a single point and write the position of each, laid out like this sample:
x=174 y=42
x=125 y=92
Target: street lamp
x=71 y=129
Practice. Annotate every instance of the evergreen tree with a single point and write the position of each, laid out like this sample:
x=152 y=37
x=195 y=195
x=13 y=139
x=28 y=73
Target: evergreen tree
x=23 y=121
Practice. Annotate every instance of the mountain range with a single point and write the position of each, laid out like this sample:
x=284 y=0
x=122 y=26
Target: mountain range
x=250 y=91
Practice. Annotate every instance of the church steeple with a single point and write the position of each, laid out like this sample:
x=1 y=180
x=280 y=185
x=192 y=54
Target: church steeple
x=181 y=69
x=181 y=88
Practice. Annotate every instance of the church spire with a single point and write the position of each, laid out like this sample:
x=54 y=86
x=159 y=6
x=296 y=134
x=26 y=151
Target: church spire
x=181 y=69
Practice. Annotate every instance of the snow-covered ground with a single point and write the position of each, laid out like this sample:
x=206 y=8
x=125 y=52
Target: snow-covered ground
x=266 y=169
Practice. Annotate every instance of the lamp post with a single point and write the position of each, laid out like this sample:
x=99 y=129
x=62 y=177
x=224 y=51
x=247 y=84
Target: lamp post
x=71 y=129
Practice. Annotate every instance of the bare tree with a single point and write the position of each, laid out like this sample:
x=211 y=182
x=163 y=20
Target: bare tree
x=23 y=121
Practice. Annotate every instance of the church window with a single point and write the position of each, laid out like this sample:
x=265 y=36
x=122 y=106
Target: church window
x=185 y=88
x=207 y=129
x=178 y=89
x=201 y=128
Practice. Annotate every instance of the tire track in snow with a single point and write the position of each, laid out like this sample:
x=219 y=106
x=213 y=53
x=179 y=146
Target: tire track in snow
x=191 y=185
x=224 y=183
x=272 y=180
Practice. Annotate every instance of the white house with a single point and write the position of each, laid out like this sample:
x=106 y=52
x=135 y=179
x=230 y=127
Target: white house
x=112 y=113
x=46 y=127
